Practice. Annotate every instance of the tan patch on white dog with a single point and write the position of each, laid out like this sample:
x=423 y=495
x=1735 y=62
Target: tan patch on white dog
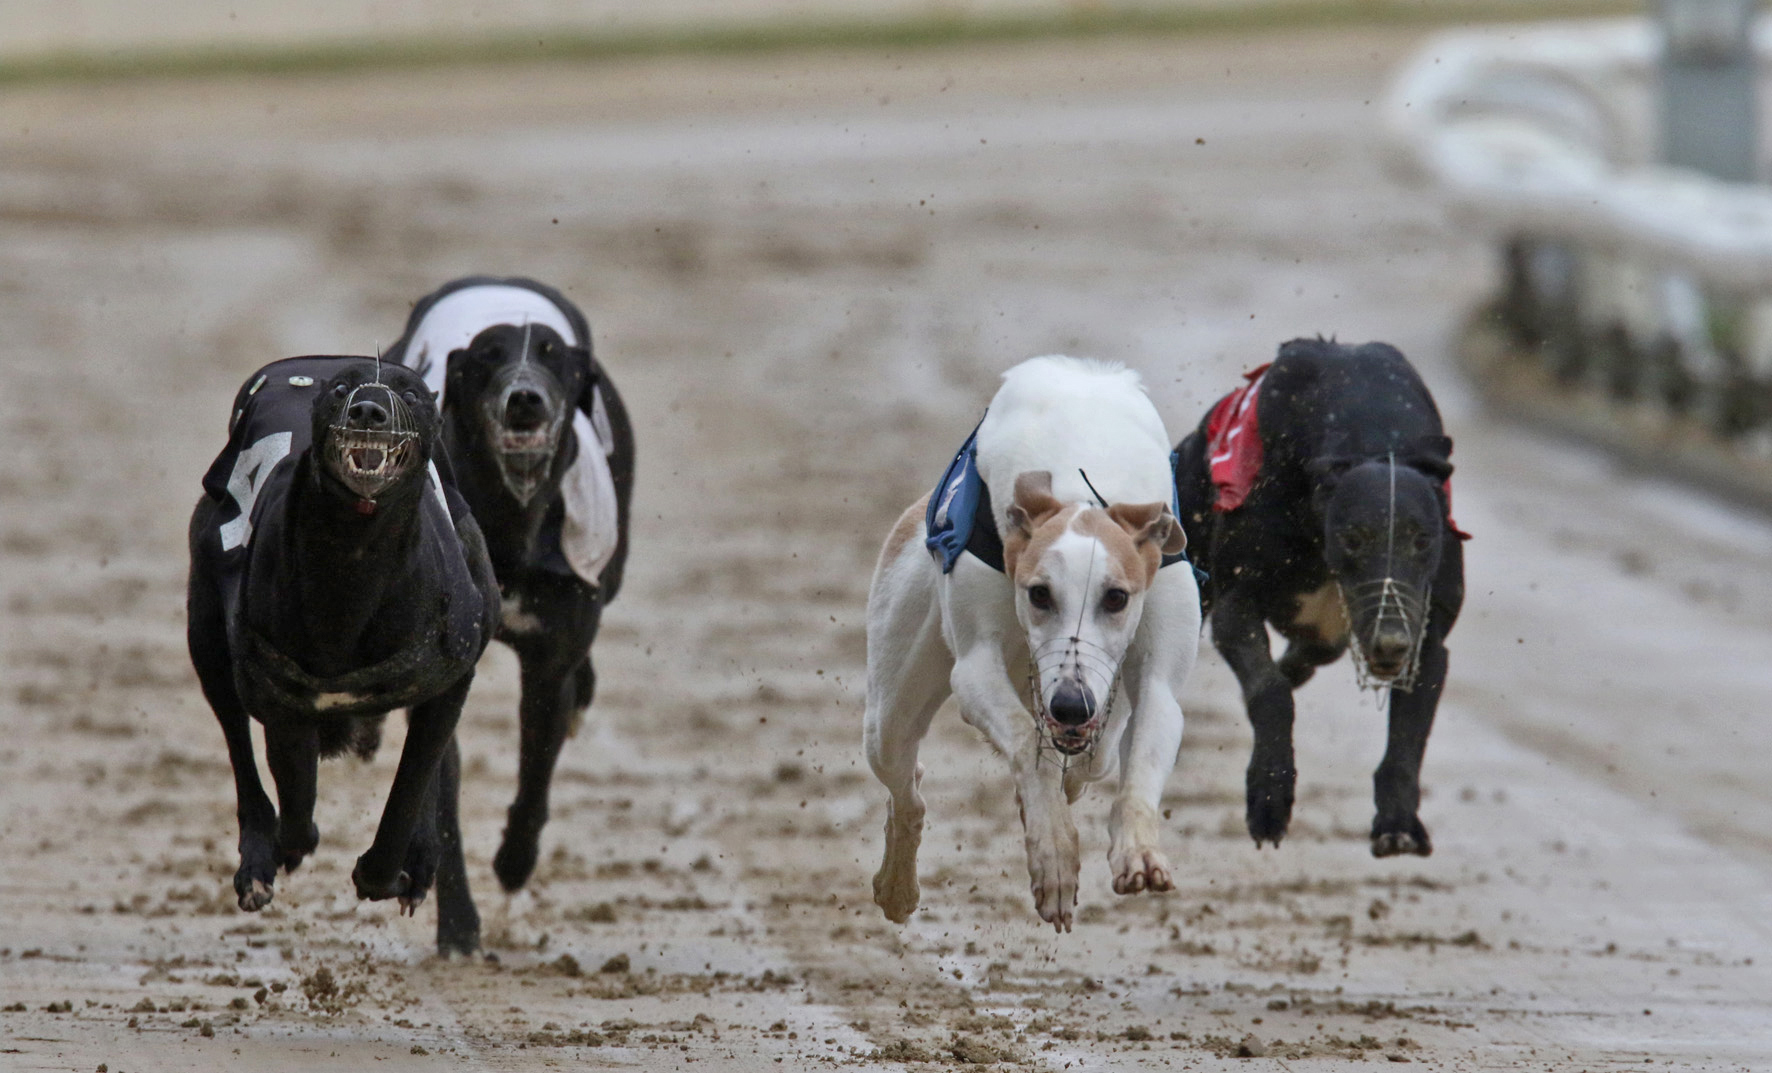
x=909 y=527
x=1036 y=519
x=1137 y=536
x=1019 y=550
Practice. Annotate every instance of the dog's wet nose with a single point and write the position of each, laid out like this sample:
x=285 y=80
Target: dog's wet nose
x=1389 y=649
x=525 y=409
x=1071 y=704
x=366 y=414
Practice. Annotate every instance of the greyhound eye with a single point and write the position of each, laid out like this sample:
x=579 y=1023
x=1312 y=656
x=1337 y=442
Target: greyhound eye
x=1040 y=596
x=1423 y=542
x=411 y=398
x=338 y=391
x=1114 y=601
x=1355 y=541
x=547 y=347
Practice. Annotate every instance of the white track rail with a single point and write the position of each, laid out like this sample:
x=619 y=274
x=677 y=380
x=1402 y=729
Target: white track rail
x=1548 y=132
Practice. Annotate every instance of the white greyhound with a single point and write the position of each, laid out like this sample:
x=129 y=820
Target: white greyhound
x=1076 y=459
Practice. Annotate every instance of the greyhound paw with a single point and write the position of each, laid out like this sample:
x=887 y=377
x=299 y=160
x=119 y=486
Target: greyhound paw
x=292 y=851
x=1140 y=870
x=515 y=861
x=254 y=894
x=422 y=858
x=1054 y=887
x=896 y=895
x=378 y=889
x=258 y=873
x=1398 y=838
x=462 y=943
x=1269 y=805
x=458 y=928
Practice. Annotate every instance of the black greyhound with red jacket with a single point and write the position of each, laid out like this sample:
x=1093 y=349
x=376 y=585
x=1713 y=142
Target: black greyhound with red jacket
x=1317 y=498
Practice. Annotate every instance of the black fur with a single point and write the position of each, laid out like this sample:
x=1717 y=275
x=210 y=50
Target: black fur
x=558 y=678
x=337 y=610
x=1333 y=419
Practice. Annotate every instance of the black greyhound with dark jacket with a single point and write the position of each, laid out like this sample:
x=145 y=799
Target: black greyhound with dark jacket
x=1317 y=498
x=335 y=576
x=544 y=454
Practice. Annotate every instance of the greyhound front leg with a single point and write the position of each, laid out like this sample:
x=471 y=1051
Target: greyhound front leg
x=257 y=875
x=1147 y=756
x=546 y=712
x=1397 y=829
x=990 y=703
x=1240 y=635
x=292 y=751
x=207 y=637
x=382 y=871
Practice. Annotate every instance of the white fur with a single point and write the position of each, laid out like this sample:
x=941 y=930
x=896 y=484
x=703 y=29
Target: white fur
x=966 y=634
x=1069 y=414
x=516 y=620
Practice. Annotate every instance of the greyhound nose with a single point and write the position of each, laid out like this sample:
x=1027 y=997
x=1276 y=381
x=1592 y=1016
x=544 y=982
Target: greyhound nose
x=1071 y=704
x=525 y=409
x=366 y=414
x=1390 y=648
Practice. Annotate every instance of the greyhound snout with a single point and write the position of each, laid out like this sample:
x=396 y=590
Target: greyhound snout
x=1071 y=703
x=367 y=414
x=525 y=410
x=1389 y=651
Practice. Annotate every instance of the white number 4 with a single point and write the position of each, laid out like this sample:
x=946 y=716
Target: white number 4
x=248 y=479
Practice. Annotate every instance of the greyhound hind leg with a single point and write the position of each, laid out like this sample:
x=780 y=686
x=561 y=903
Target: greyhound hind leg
x=899 y=713
x=908 y=669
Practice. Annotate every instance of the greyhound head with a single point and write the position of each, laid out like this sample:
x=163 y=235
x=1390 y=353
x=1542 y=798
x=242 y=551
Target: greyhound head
x=523 y=381
x=374 y=426
x=1384 y=531
x=1080 y=575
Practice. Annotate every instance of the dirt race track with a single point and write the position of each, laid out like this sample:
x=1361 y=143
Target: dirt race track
x=805 y=273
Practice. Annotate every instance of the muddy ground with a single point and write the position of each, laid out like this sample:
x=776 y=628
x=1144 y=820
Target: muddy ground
x=805 y=273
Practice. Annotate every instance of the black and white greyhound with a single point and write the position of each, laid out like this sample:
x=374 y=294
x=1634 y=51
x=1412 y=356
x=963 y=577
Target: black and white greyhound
x=337 y=575
x=544 y=454
x=1317 y=499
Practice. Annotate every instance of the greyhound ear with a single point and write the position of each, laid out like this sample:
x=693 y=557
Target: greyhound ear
x=1151 y=523
x=1034 y=502
x=1436 y=468
x=452 y=372
x=587 y=394
x=1432 y=455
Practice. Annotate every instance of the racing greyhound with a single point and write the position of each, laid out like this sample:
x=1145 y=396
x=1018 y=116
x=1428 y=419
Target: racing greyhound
x=1070 y=465
x=336 y=575
x=544 y=454
x=1318 y=499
